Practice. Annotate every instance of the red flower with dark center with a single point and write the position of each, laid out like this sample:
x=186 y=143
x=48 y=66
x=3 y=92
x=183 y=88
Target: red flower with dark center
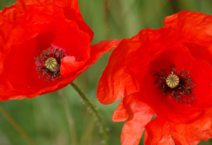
x=166 y=73
x=44 y=46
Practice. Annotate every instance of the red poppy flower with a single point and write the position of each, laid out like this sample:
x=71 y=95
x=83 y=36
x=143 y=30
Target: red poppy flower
x=165 y=73
x=44 y=45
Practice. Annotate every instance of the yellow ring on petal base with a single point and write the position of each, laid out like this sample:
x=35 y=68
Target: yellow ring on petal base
x=51 y=64
x=172 y=81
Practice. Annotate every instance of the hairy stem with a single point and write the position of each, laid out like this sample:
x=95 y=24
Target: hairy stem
x=88 y=103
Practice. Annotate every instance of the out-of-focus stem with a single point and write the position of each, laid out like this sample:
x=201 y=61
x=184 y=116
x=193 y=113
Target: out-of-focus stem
x=17 y=127
x=74 y=140
x=93 y=109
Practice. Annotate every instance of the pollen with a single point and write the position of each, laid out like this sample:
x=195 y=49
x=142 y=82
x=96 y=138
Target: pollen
x=172 y=81
x=52 y=64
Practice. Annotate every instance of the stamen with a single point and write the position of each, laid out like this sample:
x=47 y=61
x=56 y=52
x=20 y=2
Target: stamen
x=176 y=84
x=48 y=64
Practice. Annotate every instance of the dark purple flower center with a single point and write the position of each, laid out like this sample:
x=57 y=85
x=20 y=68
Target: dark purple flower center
x=48 y=63
x=176 y=84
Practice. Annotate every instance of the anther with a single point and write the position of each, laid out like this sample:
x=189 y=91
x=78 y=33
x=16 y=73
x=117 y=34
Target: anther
x=178 y=85
x=48 y=63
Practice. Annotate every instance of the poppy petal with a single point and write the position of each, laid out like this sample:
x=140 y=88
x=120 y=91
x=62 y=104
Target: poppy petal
x=194 y=132
x=117 y=80
x=158 y=132
x=120 y=114
x=191 y=27
x=139 y=115
x=100 y=48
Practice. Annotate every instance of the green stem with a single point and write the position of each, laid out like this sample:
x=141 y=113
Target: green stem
x=93 y=109
x=17 y=127
x=70 y=119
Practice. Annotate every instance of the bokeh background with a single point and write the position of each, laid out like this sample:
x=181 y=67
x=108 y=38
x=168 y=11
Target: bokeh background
x=44 y=118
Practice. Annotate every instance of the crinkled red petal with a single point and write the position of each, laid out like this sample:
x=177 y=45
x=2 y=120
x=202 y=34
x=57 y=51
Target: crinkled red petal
x=139 y=115
x=117 y=79
x=120 y=114
x=191 y=27
x=103 y=46
x=194 y=132
x=158 y=132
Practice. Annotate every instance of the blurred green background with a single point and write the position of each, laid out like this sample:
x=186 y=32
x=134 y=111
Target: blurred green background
x=44 y=117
